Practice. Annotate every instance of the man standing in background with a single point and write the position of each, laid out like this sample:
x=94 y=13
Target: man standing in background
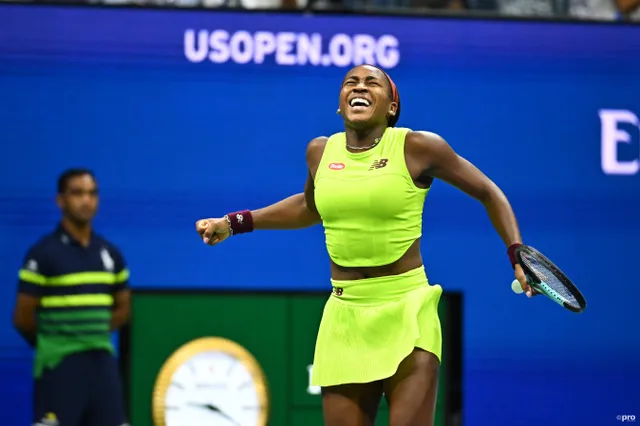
x=73 y=292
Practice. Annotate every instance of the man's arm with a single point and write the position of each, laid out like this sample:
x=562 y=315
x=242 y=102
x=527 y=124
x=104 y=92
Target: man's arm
x=441 y=162
x=121 y=308
x=31 y=282
x=24 y=317
x=121 y=311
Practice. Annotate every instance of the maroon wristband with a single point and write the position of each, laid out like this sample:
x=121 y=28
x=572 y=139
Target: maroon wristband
x=240 y=222
x=511 y=251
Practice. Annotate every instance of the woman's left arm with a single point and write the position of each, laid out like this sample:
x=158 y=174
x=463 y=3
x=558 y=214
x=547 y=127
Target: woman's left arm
x=438 y=160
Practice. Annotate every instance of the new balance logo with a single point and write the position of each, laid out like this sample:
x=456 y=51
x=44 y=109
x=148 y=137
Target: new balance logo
x=378 y=164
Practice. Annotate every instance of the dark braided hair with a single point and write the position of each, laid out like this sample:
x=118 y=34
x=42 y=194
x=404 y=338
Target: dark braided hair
x=395 y=97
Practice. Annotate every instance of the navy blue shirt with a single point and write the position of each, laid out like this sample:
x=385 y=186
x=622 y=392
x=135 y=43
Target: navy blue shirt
x=75 y=285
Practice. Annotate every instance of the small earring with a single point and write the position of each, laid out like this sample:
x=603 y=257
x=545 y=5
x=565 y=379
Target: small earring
x=338 y=111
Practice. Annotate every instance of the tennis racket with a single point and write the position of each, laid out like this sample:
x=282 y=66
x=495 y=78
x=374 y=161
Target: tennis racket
x=546 y=278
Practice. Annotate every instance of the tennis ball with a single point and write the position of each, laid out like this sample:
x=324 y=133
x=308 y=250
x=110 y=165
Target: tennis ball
x=516 y=287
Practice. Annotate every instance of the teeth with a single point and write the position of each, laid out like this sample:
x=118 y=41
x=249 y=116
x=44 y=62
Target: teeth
x=359 y=102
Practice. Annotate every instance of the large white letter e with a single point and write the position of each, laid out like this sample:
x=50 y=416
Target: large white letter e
x=611 y=136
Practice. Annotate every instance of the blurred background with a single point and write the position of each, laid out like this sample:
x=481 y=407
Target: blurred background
x=188 y=109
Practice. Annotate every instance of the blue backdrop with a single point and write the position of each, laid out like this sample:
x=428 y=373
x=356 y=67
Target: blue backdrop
x=187 y=114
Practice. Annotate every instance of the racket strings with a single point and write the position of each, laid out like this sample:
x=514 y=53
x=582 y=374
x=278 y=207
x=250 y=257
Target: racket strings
x=546 y=275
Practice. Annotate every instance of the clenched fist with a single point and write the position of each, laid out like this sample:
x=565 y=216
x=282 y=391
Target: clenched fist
x=213 y=231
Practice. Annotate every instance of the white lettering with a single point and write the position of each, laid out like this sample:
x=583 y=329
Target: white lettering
x=195 y=52
x=265 y=45
x=611 y=137
x=312 y=390
x=387 y=52
x=341 y=50
x=363 y=47
x=219 y=47
x=289 y=48
x=284 y=56
x=309 y=49
x=241 y=45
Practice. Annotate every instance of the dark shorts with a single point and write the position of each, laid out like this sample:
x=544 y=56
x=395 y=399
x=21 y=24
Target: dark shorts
x=83 y=390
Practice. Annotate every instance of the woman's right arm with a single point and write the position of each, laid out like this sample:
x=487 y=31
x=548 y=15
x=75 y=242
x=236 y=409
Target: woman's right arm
x=295 y=212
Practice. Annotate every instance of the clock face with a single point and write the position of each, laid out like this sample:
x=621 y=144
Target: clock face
x=214 y=388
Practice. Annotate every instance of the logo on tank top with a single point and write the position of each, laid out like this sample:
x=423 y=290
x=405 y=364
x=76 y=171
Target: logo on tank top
x=336 y=166
x=378 y=164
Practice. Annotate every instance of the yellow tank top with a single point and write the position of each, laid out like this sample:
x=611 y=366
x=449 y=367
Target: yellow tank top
x=370 y=208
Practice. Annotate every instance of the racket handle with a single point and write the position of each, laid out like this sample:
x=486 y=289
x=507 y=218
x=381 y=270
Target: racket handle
x=516 y=287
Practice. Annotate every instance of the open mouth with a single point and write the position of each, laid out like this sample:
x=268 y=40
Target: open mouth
x=359 y=103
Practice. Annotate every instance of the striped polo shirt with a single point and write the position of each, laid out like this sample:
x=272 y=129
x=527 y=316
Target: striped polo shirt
x=75 y=285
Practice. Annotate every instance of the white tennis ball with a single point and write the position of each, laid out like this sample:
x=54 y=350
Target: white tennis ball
x=516 y=287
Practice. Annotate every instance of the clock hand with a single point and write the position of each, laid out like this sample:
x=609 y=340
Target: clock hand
x=217 y=410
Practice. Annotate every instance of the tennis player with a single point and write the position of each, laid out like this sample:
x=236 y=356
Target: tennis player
x=380 y=331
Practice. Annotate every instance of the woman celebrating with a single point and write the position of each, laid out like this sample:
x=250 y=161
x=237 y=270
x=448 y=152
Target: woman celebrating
x=380 y=331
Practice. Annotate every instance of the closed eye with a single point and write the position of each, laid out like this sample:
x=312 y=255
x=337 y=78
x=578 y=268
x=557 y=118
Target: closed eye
x=370 y=81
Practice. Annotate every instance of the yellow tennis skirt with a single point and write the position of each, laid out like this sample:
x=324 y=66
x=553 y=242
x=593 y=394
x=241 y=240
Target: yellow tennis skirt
x=369 y=326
